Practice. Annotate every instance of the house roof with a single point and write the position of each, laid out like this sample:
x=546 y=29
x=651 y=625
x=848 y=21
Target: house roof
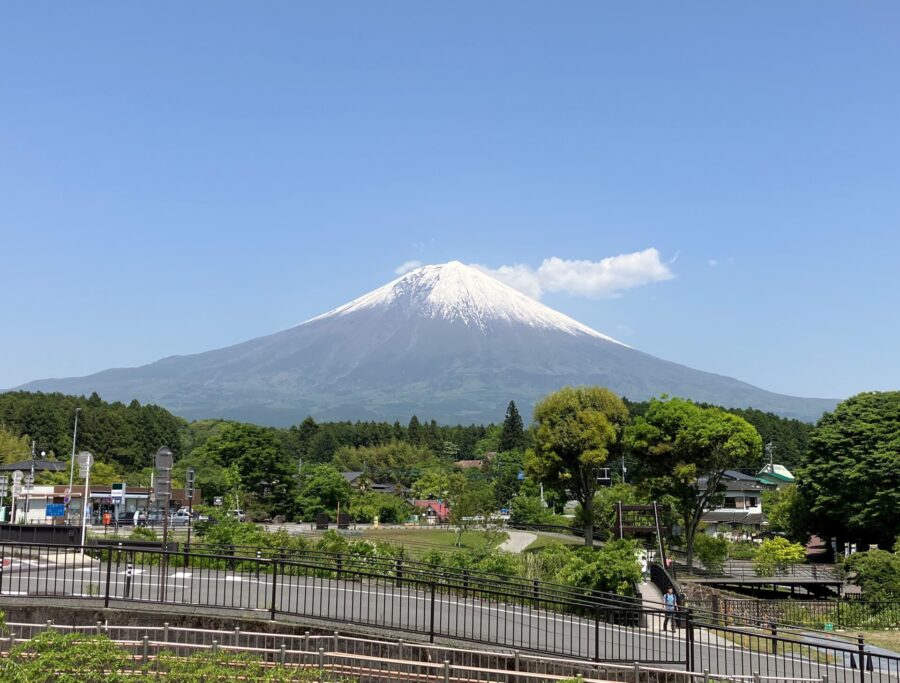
x=776 y=473
x=352 y=476
x=39 y=466
x=439 y=508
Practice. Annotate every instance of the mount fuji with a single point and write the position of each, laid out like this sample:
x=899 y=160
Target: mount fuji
x=447 y=342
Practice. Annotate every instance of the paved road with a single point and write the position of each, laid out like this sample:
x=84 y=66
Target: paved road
x=410 y=606
x=517 y=541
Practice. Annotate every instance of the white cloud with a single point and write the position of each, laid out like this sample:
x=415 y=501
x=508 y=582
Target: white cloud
x=597 y=279
x=407 y=266
x=712 y=262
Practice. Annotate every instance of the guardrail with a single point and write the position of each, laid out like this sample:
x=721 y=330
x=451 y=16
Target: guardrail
x=365 y=592
x=340 y=656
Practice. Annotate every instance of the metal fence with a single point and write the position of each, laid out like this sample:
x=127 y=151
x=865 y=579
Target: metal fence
x=340 y=657
x=818 y=614
x=539 y=618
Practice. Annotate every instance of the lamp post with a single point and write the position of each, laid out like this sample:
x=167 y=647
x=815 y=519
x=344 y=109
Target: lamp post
x=72 y=463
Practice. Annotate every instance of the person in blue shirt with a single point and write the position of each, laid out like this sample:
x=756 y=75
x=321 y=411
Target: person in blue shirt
x=671 y=603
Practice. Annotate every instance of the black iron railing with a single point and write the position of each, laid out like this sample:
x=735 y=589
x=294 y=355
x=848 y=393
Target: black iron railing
x=452 y=606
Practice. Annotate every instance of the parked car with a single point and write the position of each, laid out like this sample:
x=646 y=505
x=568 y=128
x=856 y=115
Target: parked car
x=125 y=519
x=180 y=518
x=241 y=517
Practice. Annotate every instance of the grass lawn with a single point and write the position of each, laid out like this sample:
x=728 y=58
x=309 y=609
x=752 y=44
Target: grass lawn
x=420 y=541
x=889 y=640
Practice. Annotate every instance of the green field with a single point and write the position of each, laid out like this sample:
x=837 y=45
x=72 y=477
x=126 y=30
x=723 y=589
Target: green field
x=420 y=541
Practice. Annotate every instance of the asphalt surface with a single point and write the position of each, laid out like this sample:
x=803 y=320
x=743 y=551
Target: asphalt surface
x=411 y=606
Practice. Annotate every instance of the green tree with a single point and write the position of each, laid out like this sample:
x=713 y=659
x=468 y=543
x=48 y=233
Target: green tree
x=850 y=477
x=471 y=503
x=503 y=470
x=434 y=483
x=576 y=430
x=512 y=434
x=712 y=551
x=877 y=572
x=776 y=555
x=13 y=448
x=391 y=463
x=365 y=507
x=414 y=432
x=322 y=488
x=686 y=449
x=786 y=513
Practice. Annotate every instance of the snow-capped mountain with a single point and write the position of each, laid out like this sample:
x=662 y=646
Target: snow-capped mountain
x=459 y=293
x=447 y=342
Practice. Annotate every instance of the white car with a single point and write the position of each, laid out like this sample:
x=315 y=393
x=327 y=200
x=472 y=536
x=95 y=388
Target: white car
x=237 y=513
x=180 y=518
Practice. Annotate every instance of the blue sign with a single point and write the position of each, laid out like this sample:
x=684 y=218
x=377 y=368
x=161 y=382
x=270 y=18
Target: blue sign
x=56 y=510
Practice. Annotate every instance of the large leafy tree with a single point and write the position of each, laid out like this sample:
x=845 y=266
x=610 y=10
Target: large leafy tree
x=394 y=462
x=850 y=476
x=576 y=430
x=266 y=473
x=685 y=449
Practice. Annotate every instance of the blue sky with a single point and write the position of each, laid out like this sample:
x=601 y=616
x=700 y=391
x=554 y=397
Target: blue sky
x=176 y=177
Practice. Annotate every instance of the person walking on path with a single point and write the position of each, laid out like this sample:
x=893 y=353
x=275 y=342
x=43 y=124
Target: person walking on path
x=671 y=603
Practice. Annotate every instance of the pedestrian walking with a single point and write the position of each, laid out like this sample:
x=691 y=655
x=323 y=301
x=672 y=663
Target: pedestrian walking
x=671 y=604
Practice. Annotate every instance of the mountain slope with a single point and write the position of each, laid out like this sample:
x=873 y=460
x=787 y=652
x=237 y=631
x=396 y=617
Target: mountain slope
x=446 y=342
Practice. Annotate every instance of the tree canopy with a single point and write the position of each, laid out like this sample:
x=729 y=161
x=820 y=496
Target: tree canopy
x=576 y=429
x=686 y=449
x=850 y=476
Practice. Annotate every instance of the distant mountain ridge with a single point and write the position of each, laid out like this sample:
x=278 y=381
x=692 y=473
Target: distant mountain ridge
x=445 y=341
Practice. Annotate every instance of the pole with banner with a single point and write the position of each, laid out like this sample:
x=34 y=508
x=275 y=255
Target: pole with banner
x=4 y=489
x=85 y=461
x=16 y=490
x=189 y=482
x=163 y=490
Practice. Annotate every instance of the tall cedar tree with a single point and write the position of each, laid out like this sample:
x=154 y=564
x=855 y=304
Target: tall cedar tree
x=512 y=437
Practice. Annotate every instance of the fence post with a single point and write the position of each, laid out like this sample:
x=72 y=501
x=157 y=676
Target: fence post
x=129 y=571
x=274 y=588
x=2 y=560
x=322 y=659
x=774 y=636
x=108 y=573
x=596 y=633
x=431 y=625
x=398 y=572
x=689 y=639
x=146 y=649
x=446 y=671
x=283 y=654
x=637 y=673
x=861 y=642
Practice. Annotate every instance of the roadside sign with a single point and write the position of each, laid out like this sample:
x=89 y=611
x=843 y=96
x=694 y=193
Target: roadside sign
x=117 y=493
x=217 y=501
x=55 y=510
x=85 y=460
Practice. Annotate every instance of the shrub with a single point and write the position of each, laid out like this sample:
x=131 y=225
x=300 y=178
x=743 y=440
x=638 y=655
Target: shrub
x=53 y=657
x=776 y=555
x=711 y=551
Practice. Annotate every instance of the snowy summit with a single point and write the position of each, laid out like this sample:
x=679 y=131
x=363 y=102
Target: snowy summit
x=456 y=292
